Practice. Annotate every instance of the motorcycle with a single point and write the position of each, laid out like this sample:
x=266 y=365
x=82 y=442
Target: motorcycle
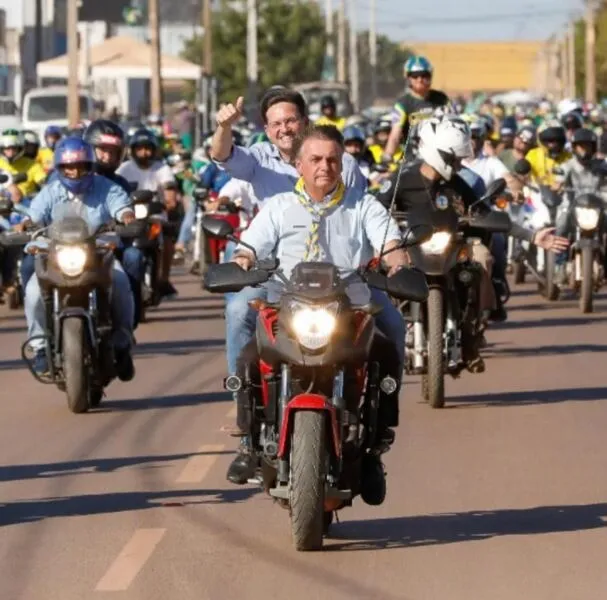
x=439 y=328
x=13 y=242
x=314 y=420
x=587 y=252
x=145 y=233
x=74 y=269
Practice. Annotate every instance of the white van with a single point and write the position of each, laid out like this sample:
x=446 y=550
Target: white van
x=48 y=106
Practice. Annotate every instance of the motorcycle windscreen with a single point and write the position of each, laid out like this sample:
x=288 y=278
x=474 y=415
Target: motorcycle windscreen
x=230 y=277
x=70 y=224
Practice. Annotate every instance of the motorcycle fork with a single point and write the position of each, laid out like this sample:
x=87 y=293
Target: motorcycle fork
x=285 y=396
x=197 y=234
x=419 y=336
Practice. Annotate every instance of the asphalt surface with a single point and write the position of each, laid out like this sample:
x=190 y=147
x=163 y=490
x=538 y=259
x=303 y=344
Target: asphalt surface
x=502 y=495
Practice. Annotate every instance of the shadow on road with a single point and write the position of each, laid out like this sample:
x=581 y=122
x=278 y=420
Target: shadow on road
x=95 y=465
x=28 y=511
x=429 y=530
x=11 y=365
x=173 y=318
x=496 y=352
x=187 y=308
x=530 y=397
x=164 y=401
x=552 y=322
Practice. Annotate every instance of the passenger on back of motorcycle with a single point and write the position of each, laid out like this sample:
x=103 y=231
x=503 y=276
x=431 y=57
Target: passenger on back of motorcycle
x=321 y=220
x=154 y=175
x=103 y=201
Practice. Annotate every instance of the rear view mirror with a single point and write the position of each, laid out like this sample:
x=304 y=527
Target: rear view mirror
x=493 y=222
x=4 y=177
x=230 y=277
x=142 y=196
x=217 y=227
x=495 y=189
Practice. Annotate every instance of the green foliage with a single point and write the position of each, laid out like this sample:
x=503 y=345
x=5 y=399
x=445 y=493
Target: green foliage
x=291 y=44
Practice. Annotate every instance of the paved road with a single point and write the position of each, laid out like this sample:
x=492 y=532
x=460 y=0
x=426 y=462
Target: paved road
x=500 y=496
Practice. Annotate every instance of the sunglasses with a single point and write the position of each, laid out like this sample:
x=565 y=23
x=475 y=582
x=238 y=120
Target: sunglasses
x=419 y=75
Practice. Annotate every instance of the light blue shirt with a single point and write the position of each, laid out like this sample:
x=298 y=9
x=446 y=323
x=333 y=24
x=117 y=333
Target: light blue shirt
x=262 y=166
x=103 y=202
x=349 y=233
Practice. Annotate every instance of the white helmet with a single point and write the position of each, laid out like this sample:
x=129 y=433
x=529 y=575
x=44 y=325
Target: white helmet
x=443 y=143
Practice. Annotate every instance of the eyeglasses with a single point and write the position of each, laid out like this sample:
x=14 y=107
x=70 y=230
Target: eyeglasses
x=287 y=122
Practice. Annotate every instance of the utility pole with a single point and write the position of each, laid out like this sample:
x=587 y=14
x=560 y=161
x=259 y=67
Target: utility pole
x=341 y=42
x=330 y=42
x=252 y=67
x=156 y=83
x=590 y=95
x=564 y=67
x=354 y=84
x=208 y=37
x=571 y=61
x=73 y=100
x=38 y=32
x=373 y=49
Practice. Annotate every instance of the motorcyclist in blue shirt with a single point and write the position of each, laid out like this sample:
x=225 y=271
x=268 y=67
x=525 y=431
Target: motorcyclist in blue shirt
x=102 y=202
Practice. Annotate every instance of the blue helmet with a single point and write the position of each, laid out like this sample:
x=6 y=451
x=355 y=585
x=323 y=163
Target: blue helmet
x=55 y=131
x=352 y=133
x=418 y=64
x=72 y=151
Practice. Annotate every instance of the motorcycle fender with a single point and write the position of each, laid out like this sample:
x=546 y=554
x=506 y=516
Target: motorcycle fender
x=307 y=402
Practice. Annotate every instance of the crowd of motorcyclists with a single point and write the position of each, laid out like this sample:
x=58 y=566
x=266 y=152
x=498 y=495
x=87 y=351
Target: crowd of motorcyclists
x=328 y=192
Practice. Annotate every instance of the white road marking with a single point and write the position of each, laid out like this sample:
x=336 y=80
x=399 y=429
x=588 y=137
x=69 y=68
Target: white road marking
x=197 y=467
x=130 y=561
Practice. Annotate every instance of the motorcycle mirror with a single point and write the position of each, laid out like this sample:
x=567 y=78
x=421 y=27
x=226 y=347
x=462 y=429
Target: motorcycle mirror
x=218 y=228
x=142 y=196
x=4 y=178
x=494 y=189
x=522 y=167
x=19 y=178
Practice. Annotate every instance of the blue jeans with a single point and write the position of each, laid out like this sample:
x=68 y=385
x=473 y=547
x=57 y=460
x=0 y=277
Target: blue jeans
x=133 y=262
x=122 y=308
x=241 y=321
x=185 y=231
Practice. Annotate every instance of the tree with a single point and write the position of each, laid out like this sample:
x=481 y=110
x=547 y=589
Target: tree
x=391 y=58
x=291 y=45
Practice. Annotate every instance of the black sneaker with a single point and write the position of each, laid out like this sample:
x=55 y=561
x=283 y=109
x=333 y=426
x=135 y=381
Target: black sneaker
x=125 y=369
x=243 y=467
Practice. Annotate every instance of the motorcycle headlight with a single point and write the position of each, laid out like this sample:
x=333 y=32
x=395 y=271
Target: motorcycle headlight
x=141 y=211
x=587 y=218
x=437 y=243
x=71 y=260
x=313 y=325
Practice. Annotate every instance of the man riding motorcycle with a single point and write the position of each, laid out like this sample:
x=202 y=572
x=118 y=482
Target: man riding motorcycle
x=269 y=168
x=12 y=161
x=523 y=142
x=103 y=201
x=328 y=107
x=444 y=144
x=156 y=176
x=418 y=102
x=381 y=134
x=322 y=220
x=549 y=154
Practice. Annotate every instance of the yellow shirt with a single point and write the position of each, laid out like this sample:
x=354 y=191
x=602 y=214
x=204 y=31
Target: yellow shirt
x=45 y=159
x=338 y=122
x=34 y=171
x=378 y=151
x=542 y=164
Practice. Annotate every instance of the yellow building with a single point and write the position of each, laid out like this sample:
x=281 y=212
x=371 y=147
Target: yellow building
x=464 y=67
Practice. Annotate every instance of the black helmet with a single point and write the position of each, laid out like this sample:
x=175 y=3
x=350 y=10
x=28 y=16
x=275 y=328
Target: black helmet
x=572 y=120
x=143 y=137
x=553 y=134
x=587 y=137
x=104 y=133
x=328 y=101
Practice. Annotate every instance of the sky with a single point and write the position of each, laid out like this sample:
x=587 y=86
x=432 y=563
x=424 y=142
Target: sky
x=468 y=20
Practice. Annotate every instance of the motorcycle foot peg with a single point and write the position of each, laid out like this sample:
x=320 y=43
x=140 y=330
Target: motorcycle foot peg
x=233 y=383
x=388 y=385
